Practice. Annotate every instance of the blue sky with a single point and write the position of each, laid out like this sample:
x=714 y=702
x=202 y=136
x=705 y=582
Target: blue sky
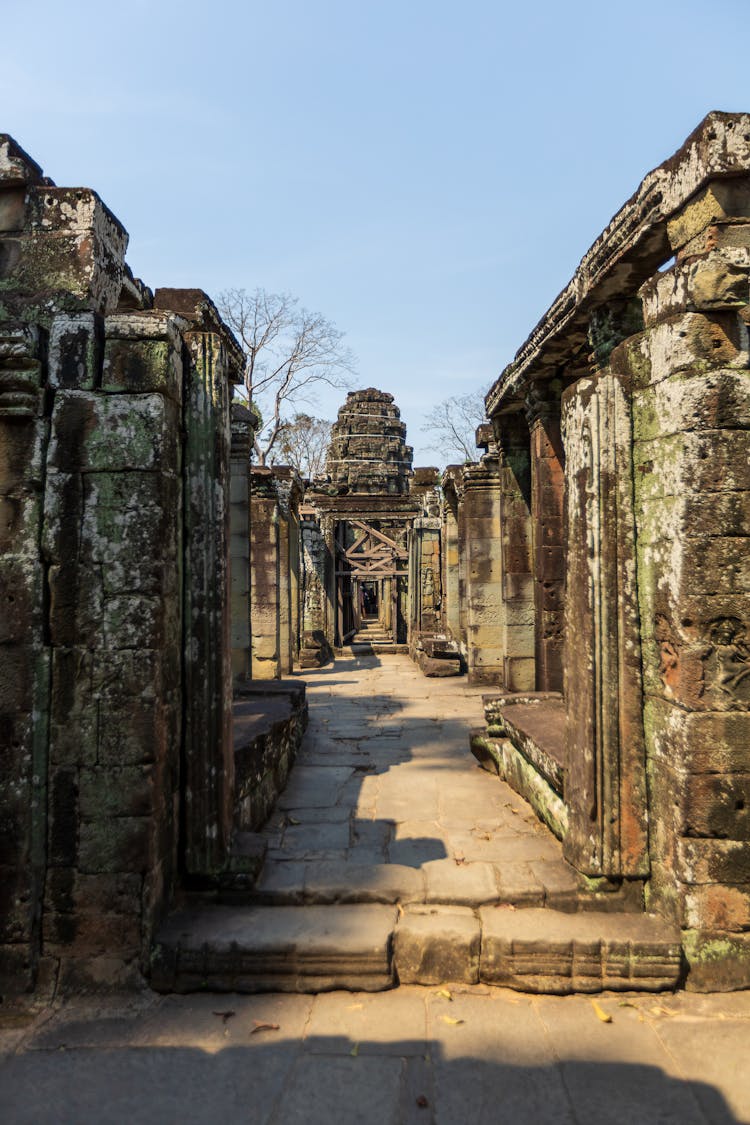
x=426 y=174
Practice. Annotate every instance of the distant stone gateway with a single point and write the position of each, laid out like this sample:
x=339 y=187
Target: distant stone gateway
x=164 y=598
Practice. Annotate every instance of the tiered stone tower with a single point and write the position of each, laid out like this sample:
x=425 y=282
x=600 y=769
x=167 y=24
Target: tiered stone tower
x=368 y=453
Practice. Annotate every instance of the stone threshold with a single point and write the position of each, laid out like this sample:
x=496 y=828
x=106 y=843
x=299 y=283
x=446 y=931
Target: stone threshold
x=370 y=947
x=550 y=883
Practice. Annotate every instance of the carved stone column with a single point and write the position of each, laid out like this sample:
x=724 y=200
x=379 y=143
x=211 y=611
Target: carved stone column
x=547 y=498
x=516 y=589
x=239 y=500
x=265 y=556
x=484 y=611
x=606 y=776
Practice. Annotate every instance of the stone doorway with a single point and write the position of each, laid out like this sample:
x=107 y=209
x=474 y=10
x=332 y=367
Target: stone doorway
x=371 y=580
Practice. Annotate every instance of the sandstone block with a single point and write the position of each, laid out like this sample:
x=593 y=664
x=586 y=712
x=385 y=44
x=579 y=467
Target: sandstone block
x=138 y=366
x=75 y=351
x=469 y=884
x=717 y=961
x=437 y=944
x=547 y=951
x=275 y=949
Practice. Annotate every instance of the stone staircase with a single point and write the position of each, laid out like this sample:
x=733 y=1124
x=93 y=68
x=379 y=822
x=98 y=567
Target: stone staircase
x=391 y=858
x=333 y=925
x=370 y=946
x=372 y=639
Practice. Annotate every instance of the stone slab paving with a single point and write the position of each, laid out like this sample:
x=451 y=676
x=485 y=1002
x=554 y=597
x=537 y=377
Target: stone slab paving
x=440 y=1056
x=385 y=777
x=387 y=811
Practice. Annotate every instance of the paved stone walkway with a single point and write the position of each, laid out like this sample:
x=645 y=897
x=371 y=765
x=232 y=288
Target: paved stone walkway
x=390 y=857
x=385 y=781
x=414 y=1056
x=385 y=777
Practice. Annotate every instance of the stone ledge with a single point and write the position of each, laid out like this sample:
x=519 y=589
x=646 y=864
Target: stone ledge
x=511 y=764
x=274 y=949
x=547 y=951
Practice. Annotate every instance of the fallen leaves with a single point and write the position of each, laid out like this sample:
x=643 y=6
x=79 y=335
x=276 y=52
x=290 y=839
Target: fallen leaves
x=261 y=1025
x=451 y=1021
x=354 y=1051
x=444 y=993
x=422 y=1102
x=226 y=1015
x=605 y=1017
x=459 y=859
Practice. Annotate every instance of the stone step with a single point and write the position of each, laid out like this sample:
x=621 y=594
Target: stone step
x=548 y=883
x=360 y=648
x=218 y=948
x=369 y=947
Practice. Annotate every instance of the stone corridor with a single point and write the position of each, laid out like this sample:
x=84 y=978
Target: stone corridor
x=392 y=858
x=385 y=790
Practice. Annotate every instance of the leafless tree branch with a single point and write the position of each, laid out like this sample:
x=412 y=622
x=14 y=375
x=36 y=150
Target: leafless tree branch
x=288 y=350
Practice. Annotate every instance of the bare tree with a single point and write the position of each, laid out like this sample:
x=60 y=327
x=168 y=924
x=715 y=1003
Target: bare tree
x=289 y=352
x=453 y=423
x=303 y=444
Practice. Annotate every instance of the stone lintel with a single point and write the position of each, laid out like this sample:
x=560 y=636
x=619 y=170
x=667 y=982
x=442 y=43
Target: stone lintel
x=365 y=506
x=633 y=246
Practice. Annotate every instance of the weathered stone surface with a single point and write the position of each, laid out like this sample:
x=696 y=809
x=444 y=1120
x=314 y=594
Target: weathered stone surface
x=436 y=944
x=275 y=949
x=547 y=951
x=336 y=882
x=468 y=884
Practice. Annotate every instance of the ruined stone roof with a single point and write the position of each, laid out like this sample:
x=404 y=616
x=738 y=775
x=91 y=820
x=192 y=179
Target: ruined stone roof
x=368 y=453
x=630 y=249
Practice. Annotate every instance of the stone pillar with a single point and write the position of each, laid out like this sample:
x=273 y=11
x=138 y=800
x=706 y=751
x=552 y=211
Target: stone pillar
x=289 y=493
x=450 y=609
x=112 y=541
x=516 y=584
x=547 y=496
x=314 y=647
x=485 y=635
x=605 y=788
x=239 y=516
x=213 y=363
x=24 y=654
x=425 y=576
x=264 y=574
x=691 y=411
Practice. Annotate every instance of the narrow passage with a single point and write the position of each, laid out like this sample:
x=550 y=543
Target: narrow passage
x=385 y=793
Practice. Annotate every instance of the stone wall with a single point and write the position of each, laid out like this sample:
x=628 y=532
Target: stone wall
x=115 y=698
x=691 y=420
x=639 y=526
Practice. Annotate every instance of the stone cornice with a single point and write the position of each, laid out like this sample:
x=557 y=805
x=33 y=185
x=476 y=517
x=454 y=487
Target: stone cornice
x=631 y=248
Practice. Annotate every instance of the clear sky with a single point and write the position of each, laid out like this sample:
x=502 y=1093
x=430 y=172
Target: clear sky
x=426 y=174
